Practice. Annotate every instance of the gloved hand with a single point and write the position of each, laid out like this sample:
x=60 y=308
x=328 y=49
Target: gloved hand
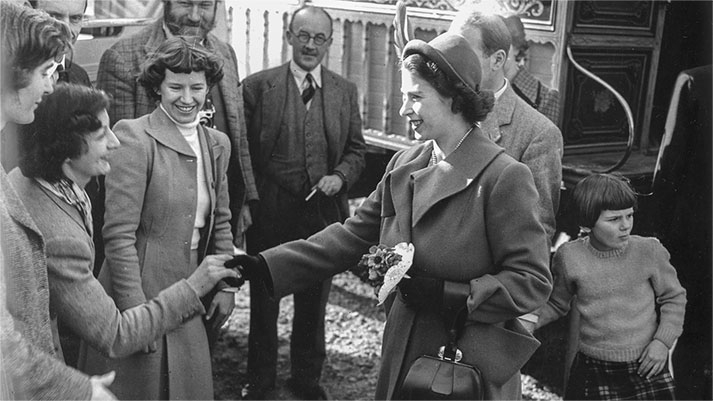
x=249 y=267
x=421 y=291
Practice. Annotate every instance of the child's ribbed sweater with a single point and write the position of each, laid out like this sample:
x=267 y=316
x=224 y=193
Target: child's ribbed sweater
x=616 y=295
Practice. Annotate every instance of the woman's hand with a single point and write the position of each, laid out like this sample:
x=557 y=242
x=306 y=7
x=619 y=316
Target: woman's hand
x=653 y=359
x=209 y=272
x=220 y=309
x=99 y=386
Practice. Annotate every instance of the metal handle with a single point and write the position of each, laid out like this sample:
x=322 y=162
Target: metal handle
x=622 y=101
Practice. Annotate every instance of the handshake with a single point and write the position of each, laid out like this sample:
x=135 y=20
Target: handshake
x=248 y=268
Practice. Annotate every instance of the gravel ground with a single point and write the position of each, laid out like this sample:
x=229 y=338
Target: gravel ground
x=354 y=327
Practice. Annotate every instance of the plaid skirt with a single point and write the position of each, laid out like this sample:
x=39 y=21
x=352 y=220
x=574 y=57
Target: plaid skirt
x=594 y=379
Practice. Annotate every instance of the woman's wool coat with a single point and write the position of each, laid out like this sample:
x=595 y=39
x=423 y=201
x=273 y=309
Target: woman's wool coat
x=473 y=221
x=150 y=213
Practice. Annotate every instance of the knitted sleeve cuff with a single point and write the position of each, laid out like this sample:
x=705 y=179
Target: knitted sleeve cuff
x=666 y=335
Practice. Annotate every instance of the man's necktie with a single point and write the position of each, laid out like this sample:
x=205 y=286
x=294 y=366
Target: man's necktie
x=308 y=92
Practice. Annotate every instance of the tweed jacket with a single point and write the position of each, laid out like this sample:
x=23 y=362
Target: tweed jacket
x=473 y=223
x=546 y=99
x=30 y=358
x=529 y=137
x=119 y=68
x=78 y=299
x=265 y=94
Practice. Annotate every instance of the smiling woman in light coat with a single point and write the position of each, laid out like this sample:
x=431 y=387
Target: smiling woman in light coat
x=166 y=209
x=470 y=211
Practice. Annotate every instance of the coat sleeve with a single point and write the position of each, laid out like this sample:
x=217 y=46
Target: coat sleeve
x=352 y=162
x=27 y=372
x=81 y=302
x=296 y=265
x=116 y=77
x=249 y=90
x=560 y=301
x=243 y=153
x=125 y=190
x=544 y=158
x=521 y=281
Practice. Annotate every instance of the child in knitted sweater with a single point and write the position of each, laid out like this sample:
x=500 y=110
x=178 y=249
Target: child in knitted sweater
x=618 y=280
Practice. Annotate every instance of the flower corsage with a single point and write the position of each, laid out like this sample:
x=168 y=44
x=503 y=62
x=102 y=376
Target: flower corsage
x=384 y=266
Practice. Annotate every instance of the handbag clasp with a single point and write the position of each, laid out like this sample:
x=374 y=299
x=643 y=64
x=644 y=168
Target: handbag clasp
x=454 y=356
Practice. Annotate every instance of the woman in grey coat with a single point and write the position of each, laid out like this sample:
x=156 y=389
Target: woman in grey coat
x=66 y=145
x=167 y=209
x=469 y=210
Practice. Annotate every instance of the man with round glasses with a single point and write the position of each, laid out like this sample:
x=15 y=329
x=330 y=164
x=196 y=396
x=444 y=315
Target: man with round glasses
x=304 y=130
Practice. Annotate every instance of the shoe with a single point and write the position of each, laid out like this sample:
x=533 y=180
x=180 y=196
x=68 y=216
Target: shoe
x=307 y=391
x=253 y=392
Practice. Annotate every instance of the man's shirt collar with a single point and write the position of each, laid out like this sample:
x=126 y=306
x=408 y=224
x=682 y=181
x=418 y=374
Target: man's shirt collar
x=500 y=91
x=300 y=74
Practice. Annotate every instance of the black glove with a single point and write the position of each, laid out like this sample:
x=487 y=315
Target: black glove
x=250 y=268
x=421 y=291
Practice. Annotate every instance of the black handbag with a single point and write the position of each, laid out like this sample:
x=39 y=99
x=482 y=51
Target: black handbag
x=444 y=377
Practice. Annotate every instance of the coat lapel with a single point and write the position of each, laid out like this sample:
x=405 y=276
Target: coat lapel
x=452 y=175
x=401 y=190
x=272 y=109
x=165 y=131
x=331 y=91
x=70 y=210
x=209 y=147
x=500 y=116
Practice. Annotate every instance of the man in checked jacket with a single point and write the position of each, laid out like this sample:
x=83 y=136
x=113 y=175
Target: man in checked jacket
x=542 y=98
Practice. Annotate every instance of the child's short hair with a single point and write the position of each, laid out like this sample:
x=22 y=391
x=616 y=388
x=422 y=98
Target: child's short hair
x=599 y=192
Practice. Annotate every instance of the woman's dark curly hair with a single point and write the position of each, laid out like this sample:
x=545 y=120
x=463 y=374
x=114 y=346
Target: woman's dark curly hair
x=29 y=38
x=474 y=106
x=62 y=122
x=181 y=57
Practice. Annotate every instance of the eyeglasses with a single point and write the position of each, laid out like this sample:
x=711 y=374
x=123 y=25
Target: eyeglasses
x=304 y=37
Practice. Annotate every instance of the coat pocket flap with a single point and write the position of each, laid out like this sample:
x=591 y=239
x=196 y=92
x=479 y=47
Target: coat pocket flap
x=498 y=351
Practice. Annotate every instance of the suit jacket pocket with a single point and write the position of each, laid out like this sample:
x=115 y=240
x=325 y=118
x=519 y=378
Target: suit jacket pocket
x=498 y=350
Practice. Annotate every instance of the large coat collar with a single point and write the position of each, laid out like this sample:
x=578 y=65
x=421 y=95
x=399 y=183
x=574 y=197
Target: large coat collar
x=275 y=96
x=15 y=208
x=35 y=197
x=164 y=131
x=432 y=184
x=501 y=115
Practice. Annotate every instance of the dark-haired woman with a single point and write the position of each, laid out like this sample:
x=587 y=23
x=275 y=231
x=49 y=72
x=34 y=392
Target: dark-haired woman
x=470 y=211
x=67 y=144
x=167 y=210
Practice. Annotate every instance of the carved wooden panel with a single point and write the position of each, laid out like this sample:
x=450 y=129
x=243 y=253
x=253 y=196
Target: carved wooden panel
x=592 y=115
x=609 y=17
